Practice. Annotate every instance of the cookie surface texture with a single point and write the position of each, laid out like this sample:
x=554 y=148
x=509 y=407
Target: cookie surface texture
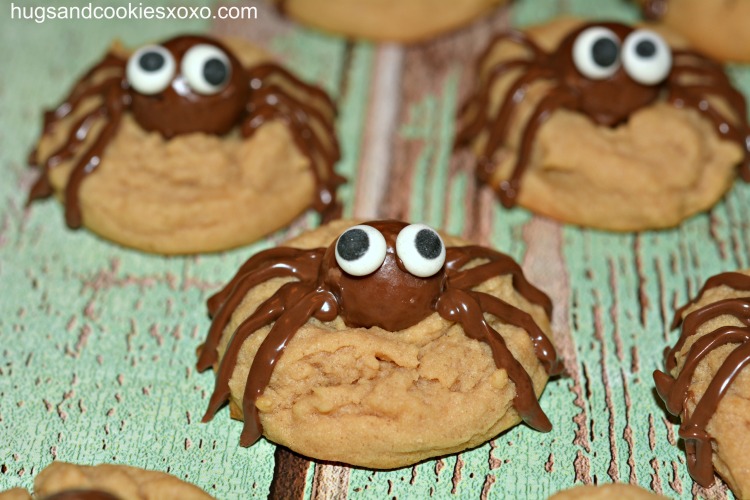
x=66 y=481
x=707 y=384
x=162 y=182
x=606 y=492
x=400 y=21
x=384 y=399
x=600 y=151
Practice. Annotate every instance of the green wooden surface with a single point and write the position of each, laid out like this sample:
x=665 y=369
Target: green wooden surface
x=97 y=342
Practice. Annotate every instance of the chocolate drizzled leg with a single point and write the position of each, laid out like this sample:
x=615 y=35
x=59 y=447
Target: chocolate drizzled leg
x=737 y=281
x=552 y=102
x=272 y=263
x=479 y=104
x=270 y=351
x=673 y=392
x=545 y=351
x=740 y=308
x=693 y=429
x=271 y=101
x=270 y=257
x=266 y=313
x=82 y=90
x=500 y=264
x=78 y=133
x=93 y=156
x=460 y=307
x=498 y=130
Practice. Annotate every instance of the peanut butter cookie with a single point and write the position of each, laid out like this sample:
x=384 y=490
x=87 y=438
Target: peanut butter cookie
x=192 y=145
x=706 y=383
x=716 y=28
x=65 y=481
x=379 y=345
x=401 y=21
x=604 y=125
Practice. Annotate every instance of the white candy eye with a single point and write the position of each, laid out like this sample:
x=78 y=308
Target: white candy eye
x=360 y=250
x=206 y=68
x=596 y=53
x=647 y=57
x=421 y=250
x=150 y=69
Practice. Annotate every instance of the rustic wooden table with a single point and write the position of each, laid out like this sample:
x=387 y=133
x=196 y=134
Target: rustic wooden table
x=97 y=342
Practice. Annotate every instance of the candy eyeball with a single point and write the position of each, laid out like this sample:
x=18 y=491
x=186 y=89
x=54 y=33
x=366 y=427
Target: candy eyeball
x=596 y=53
x=421 y=249
x=206 y=68
x=150 y=69
x=360 y=250
x=646 y=57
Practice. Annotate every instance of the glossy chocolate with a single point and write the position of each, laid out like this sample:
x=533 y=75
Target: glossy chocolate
x=251 y=97
x=676 y=392
x=82 y=495
x=322 y=290
x=608 y=102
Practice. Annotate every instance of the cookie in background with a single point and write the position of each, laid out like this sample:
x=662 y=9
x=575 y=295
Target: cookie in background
x=604 y=125
x=407 y=21
x=718 y=28
x=66 y=481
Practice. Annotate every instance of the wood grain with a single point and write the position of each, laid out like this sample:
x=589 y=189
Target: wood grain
x=97 y=342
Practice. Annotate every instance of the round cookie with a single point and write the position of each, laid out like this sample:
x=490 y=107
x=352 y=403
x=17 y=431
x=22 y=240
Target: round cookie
x=698 y=20
x=571 y=121
x=192 y=145
x=402 y=21
x=707 y=385
x=379 y=345
x=65 y=481
x=616 y=491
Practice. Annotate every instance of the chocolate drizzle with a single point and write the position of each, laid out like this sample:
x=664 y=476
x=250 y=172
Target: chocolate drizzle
x=676 y=392
x=323 y=291
x=608 y=102
x=250 y=98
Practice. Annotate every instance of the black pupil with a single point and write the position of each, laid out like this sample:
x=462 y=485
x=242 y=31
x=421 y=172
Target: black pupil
x=604 y=52
x=353 y=244
x=646 y=48
x=215 y=71
x=428 y=244
x=151 y=61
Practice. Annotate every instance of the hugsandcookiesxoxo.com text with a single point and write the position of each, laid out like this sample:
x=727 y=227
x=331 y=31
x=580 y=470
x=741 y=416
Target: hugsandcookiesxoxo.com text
x=137 y=11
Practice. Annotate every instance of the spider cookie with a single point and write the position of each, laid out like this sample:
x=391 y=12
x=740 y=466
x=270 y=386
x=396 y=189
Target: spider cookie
x=698 y=20
x=64 y=481
x=379 y=345
x=604 y=125
x=192 y=145
x=402 y=21
x=705 y=382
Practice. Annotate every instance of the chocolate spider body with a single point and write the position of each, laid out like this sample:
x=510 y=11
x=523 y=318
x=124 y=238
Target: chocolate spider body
x=383 y=273
x=186 y=85
x=606 y=71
